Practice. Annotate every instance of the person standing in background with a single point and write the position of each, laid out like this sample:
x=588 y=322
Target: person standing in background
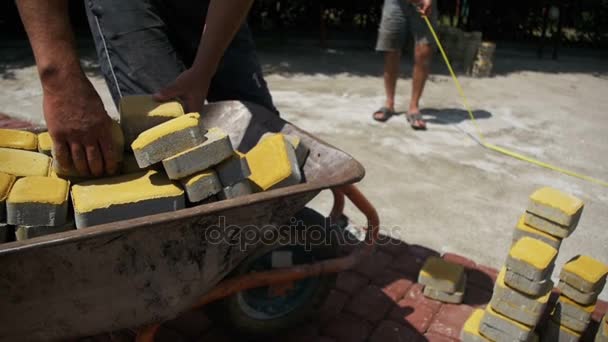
x=398 y=18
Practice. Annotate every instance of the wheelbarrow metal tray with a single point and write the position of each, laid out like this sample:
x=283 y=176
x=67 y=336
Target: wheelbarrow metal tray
x=134 y=272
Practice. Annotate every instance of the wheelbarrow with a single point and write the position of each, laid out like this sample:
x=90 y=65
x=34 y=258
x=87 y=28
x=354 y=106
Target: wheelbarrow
x=144 y=271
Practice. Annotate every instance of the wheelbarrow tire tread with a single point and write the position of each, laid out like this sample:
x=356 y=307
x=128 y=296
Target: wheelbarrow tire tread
x=229 y=313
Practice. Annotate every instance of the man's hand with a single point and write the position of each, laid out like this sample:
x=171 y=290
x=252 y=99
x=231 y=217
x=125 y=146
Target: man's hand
x=425 y=7
x=224 y=17
x=80 y=127
x=190 y=88
x=75 y=116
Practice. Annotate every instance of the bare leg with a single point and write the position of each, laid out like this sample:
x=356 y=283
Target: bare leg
x=391 y=73
x=422 y=67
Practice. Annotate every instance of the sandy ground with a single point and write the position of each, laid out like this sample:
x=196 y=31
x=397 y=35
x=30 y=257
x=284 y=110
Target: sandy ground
x=437 y=188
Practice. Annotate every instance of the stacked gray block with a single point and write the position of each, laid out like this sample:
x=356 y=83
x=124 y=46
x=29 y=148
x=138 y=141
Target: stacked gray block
x=202 y=186
x=25 y=232
x=241 y=188
x=527 y=286
x=214 y=150
x=584 y=298
x=547 y=226
x=233 y=170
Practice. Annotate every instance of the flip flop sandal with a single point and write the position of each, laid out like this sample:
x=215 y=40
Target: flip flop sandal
x=386 y=114
x=414 y=120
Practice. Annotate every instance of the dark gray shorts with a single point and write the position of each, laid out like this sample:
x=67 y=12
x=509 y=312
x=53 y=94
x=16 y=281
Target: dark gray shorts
x=148 y=43
x=400 y=17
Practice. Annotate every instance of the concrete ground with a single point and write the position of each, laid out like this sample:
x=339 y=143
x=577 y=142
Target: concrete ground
x=437 y=188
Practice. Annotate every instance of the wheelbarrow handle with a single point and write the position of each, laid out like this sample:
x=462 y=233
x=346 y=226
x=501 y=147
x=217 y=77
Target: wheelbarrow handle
x=259 y=279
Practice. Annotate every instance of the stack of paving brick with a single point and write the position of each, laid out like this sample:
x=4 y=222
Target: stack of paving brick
x=201 y=162
x=170 y=157
x=443 y=281
x=523 y=286
x=31 y=202
x=581 y=281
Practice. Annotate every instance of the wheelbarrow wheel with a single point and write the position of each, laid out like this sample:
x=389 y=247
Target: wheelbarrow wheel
x=265 y=311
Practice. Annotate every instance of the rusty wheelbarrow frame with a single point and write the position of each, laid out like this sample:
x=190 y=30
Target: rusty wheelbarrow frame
x=146 y=270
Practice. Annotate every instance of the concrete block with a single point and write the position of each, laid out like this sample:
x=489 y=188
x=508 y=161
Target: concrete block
x=38 y=201
x=216 y=148
x=241 y=188
x=517 y=305
x=273 y=164
x=584 y=273
x=125 y=197
x=531 y=258
x=527 y=286
x=522 y=229
x=547 y=226
x=583 y=298
x=556 y=206
x=6 y=232
x=498 y=327
x=301 y=150
x=455 y=297
x=602 y=331
x=23 y=140
x=515 y=312
x=201 y=185
x=6 y=184
x=24 y=163
x=168 y=139
x=25 y=232
x=571 y=314
x=559 y=333
x=233 y=169
x=45 y=143
x=470 y=330
x=118 y=143
x=139 y=113
x=441 y=275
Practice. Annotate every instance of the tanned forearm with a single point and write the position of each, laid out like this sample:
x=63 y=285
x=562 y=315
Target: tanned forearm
x=48 y=27
x=224 y=18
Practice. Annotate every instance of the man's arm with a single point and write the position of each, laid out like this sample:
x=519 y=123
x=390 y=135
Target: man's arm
x=74 y=113
x=224 y=18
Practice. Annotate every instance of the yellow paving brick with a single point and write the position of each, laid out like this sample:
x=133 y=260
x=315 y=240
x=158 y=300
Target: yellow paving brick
x=470 y=330
x=273 y=163
x=584 y=273
x=556 y=206
x=13 y=138
x=103 y=193
x=532 y=303
x=37 y=189
x=300 y=149
x=38 y=201
x=440 y=274
x=533 y=252
x=141 y=112
x=522 y=229
x=167 y=128
x=6 y=183
x=125 y=197
x=24 y=163
x=45 y=143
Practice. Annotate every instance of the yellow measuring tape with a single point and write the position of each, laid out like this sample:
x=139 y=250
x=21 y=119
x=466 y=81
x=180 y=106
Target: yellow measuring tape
x=499 y=149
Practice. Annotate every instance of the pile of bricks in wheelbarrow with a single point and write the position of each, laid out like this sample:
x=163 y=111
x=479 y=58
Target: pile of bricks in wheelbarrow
x=168 y=161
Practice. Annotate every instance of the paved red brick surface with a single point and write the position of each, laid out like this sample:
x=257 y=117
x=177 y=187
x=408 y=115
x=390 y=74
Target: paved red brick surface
x=376 y=304
x=378 y=301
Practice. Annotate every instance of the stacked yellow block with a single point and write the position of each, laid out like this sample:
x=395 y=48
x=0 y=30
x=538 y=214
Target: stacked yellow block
x=581 y=281
x=199 y=164
x=523 y=286
x=443 y=281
